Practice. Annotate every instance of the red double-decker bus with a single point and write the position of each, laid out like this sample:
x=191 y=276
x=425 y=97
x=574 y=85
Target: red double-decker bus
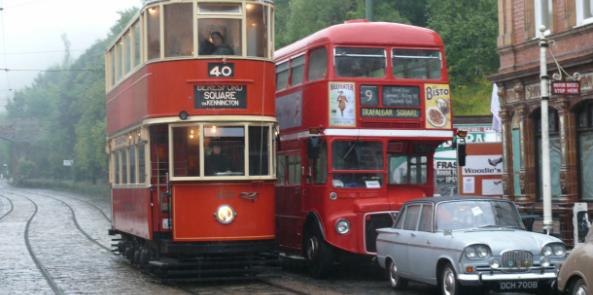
x=191 y=125
x=362 y=107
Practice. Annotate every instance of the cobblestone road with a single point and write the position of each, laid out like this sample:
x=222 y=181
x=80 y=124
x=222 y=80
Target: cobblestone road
x=57 y=243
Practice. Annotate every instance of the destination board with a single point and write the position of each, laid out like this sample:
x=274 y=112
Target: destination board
x=401 y=96
x=390 y=113
x=220 y=96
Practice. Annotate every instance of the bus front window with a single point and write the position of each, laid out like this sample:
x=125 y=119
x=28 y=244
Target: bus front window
x=416 y=64
x=357 y=164
x=360 y=62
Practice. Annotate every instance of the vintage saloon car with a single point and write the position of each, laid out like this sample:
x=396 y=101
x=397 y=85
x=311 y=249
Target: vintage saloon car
x=576 y=274
x=461 y=243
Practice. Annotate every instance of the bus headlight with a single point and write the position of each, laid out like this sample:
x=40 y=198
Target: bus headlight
x=225 y=214
x=342 y=226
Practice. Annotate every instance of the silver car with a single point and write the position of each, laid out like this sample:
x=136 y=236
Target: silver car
x=461 y=244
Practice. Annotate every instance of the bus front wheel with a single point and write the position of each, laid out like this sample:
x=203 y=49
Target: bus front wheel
x=318 y=254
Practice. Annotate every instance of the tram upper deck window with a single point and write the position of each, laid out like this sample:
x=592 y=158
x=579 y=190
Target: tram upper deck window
x=224 y=150
x=186 y=151
x=416 y=63
x=220 y=35
x=257 y=30
x=178 y=29
x=360 y=62
x=153 y=34
x=137 y=44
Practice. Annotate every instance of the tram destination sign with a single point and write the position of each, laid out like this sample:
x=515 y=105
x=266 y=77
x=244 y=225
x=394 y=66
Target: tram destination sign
x=401 y=96
x=220 y=96
x=382 y=113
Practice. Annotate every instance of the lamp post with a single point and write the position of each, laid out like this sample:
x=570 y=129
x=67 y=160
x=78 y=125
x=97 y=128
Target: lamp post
x=545 y=97
x=369 y=10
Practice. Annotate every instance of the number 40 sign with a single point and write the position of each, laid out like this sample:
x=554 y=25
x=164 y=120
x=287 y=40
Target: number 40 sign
x=221 y=70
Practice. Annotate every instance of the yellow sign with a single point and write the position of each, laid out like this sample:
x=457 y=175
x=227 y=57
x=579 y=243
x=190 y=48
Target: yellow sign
x=437 y=105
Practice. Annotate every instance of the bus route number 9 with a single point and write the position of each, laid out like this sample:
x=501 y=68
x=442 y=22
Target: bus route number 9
x=218 y=70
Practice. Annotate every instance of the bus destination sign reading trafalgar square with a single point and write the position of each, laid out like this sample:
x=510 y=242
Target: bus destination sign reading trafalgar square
x=220 y=96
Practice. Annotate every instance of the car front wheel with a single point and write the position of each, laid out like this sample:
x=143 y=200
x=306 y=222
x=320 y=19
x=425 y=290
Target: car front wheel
x=448 y=283
x=396 y=282
x=579 y=288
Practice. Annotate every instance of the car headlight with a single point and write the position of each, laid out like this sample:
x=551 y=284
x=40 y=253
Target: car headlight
x=477 y=252
x=342 y=226
x=554 y=249
x=559 y=250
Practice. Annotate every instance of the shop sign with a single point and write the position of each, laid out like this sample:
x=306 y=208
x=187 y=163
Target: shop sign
x=220 y=96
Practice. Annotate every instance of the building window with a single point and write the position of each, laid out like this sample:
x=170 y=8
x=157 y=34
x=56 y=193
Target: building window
x=584 y=12
x=585 y=145
x=543 y=15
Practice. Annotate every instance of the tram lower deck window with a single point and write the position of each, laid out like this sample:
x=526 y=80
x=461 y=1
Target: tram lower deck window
x=186 y=151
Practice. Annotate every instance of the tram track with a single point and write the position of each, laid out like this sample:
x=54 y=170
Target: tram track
x=11 y=207
x=50 y=281
x=75 y=220
x=91 y=204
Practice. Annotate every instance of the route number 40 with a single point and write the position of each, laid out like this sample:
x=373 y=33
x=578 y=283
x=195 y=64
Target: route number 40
x=219 y=70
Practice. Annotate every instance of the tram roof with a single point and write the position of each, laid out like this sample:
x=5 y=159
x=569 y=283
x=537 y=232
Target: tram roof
x=365 y=33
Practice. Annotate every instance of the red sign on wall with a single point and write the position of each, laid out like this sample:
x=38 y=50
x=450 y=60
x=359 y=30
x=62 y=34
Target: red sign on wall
x=566 y=88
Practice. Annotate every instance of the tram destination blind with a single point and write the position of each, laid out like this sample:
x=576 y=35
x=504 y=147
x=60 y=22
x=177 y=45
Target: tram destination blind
x=220 y=96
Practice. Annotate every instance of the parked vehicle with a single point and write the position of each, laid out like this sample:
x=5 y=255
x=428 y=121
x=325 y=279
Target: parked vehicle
x=457 y=243
x=576 y=274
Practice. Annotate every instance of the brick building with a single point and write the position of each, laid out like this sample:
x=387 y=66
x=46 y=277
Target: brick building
x=570 y=27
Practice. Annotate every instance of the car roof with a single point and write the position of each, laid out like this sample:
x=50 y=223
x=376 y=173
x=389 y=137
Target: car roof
x=435 y=200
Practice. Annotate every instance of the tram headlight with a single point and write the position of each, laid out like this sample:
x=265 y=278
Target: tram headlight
x=343 y=226
x=225 y=214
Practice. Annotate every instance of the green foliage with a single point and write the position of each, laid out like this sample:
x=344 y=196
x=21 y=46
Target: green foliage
x=67 y=103
x=469 y=29
x=472 y=99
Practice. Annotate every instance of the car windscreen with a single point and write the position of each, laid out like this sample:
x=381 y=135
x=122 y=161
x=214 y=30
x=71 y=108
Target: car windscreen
x=460 y=215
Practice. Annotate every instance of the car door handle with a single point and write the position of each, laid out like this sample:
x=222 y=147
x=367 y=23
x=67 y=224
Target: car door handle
x=396 y=233
x=412 y=234
x=427 y=242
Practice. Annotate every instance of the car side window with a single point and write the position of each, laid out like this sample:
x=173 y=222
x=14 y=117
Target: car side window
x=400 y=220
x=411 y=220
x=426 y=218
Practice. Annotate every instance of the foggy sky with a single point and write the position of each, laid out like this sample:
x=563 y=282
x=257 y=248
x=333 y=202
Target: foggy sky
x=32 y=34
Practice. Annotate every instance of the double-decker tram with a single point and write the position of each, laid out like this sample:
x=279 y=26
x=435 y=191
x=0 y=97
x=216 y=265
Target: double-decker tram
x=191 y=136
x=361 y=107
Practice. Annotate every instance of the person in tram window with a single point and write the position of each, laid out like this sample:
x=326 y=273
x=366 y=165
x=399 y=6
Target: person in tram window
x=220 y=47
x=206 y=46
x=216 y=163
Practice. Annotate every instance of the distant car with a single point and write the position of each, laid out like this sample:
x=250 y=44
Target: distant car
x=576 y=274
x=463 y=244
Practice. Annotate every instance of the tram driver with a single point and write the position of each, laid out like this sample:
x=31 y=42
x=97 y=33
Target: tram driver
x=216 y=163
x=215 y=45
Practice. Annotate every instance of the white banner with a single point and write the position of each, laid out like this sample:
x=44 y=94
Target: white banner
x=483 y=165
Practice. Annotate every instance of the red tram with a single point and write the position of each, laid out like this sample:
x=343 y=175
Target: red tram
x=191 y=130
x=362 y=107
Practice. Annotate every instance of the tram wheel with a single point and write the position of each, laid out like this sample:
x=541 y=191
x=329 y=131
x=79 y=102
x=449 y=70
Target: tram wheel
x=318 y=253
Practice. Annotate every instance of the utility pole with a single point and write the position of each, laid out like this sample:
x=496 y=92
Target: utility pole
x=545 y=97
x=369 y=10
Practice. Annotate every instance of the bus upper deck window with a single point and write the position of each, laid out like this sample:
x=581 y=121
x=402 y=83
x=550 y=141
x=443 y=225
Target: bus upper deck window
x=360 y=62
x=317 y=64
x=417 y=64
x=178 y=29
x=282 y=75
x=297 y=70
x=257 y=30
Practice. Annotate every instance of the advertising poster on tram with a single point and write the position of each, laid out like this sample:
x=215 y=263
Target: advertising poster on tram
x=437 y=101
x=342 y=104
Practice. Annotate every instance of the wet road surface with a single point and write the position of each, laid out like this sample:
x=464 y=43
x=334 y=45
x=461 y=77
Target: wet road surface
x=57 y=243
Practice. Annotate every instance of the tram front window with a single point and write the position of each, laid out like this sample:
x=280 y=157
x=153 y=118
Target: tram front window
x=360 y=62
x=359 y=156
x=186 y=151
x=224 y=151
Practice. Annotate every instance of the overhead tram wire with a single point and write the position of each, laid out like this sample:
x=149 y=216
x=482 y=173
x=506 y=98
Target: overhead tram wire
x=4 y=55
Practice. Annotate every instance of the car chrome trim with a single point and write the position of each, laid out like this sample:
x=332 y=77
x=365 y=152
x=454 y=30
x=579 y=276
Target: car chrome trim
x=498 y=277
